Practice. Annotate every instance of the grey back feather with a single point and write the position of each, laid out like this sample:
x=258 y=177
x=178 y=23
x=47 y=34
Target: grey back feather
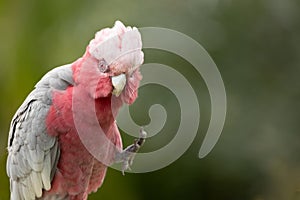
x=32 y=153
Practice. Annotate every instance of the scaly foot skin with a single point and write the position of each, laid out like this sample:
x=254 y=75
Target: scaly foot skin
x=127 y=155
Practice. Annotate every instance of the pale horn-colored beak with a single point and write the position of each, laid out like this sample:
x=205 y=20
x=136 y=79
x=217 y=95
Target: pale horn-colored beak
x=119 y=83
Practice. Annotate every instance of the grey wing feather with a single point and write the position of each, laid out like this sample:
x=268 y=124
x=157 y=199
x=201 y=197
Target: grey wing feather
x=32 y=153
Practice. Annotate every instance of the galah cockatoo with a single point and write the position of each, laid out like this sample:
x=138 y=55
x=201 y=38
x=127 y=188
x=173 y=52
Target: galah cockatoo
x=46 y=156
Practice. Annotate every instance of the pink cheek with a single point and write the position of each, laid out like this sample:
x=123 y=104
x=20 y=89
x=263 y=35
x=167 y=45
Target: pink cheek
x=104 y=88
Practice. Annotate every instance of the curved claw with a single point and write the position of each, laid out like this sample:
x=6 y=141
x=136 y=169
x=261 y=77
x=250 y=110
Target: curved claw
x=127 y=155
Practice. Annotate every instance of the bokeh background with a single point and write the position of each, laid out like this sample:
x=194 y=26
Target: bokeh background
x=256 y=46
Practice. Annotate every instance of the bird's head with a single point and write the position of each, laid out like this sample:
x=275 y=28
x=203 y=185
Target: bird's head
x=111 y=63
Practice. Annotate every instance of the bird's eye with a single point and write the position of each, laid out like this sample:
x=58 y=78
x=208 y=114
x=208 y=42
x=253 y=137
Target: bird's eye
x=103 y=66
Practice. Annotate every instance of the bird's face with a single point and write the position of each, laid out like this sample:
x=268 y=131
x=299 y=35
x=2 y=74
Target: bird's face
x=116 y=54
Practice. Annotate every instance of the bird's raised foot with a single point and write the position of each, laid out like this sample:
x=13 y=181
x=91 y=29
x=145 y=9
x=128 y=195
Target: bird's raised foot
x=127 y=155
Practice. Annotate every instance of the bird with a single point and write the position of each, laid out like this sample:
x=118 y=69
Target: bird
x=47 y=158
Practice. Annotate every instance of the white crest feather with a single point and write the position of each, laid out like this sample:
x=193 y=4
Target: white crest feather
x=118 y=44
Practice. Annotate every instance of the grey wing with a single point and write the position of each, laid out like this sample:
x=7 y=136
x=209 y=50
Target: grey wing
x=32 y=153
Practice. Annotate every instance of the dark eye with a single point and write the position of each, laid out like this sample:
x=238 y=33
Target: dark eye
x=103 y=66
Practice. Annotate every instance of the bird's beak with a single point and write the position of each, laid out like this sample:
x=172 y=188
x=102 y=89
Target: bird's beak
x=119 y=83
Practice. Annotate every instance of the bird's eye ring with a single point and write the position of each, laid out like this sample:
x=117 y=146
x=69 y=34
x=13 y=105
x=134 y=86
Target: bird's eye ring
x=103 y=66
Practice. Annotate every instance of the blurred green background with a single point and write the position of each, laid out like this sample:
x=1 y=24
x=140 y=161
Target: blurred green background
x=256 y=46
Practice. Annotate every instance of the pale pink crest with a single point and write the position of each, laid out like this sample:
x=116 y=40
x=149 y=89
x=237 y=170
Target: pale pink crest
x=119 y=46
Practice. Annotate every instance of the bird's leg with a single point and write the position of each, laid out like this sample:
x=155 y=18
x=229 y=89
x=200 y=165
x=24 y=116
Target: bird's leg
x=127 y=155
